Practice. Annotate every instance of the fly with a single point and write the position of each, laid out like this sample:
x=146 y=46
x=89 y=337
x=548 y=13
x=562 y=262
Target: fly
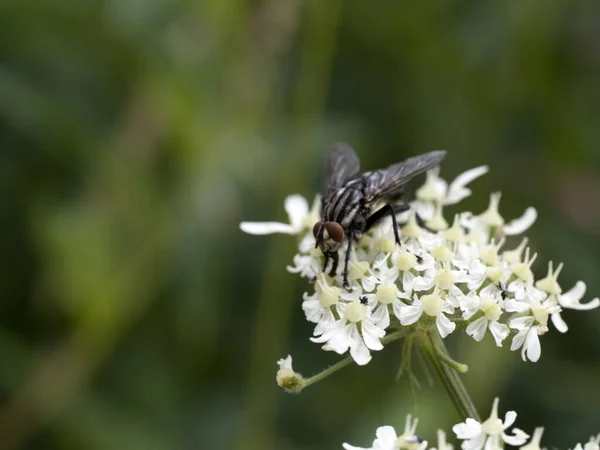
x=353 y=203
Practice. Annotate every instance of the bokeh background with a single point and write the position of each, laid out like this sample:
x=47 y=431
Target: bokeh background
x=136 y=135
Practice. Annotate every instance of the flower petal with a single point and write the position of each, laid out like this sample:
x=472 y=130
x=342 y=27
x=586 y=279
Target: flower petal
x=267 y=228
x=571 y=298
x=297 y=208
x=409 y=314
x=509 y=419
x=521 y=224
x=467 y=429
x=387 y=435
x=559 y=323
x=532 y=345
x=499 y=332
x=444 y=325
x=478 y=328
x=457 y=190
x=518 y=438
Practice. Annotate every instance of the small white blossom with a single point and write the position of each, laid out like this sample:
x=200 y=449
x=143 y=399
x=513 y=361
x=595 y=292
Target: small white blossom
x=287 y=378
x=300 y=217
x=491 y=433
x=534 y=444
x=387 y=439
x=442 y=443
x=344 y=333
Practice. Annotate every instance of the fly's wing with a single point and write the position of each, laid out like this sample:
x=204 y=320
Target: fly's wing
x=342 y=166
x=389 y=182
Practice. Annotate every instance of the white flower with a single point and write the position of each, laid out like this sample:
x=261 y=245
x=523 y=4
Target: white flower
x=489 y=304
x=387 y=439
x=287 y=378
x=534 y=444
x=432 y=305
x=442 y=444
x=491 y=433
x=343 y=334
x=300 y=218
x=570 y=299
x=306 y=265
x=436 y=190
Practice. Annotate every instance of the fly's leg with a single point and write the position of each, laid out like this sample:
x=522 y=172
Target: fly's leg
x=390 y=209
x=325 y=262
x=347 y=259
x=421 y=223
x=336 y=258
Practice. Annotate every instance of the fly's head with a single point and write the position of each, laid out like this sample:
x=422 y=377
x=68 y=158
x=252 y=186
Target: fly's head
x=329 y=236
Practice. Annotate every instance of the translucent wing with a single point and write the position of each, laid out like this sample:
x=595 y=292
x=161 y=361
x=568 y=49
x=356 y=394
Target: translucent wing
x=389 y=182
x=342 y=165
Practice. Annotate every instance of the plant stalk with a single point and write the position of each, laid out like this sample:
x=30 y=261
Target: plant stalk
x=436 y=354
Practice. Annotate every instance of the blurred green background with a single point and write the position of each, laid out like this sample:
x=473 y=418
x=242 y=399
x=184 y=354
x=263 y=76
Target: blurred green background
x=136 y=135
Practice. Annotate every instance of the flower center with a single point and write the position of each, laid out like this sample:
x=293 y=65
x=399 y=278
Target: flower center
x=490 y=308
x=406 y=260
x=329 y=295
x=444 y=278
x=492 y=426
x=431 y=304
x=355 y=312
x=442 y=253
x=386 y=245
x=540 y=313
x=357 y=269
x=387 y=293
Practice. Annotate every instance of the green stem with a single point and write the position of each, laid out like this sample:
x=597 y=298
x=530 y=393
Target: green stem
x=436 y=354
x=325 y=373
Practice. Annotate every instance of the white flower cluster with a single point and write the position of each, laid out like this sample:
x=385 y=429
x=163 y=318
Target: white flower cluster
x=490 y=434
x=442 y=275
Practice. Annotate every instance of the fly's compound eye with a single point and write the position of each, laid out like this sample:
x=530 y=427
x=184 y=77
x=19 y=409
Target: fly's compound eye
x=335 y=231
x=317 y=228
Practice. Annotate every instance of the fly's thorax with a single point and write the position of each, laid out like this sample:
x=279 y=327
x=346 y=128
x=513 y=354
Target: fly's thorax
x=344 y=205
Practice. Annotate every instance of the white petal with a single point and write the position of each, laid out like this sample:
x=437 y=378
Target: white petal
x=312 y=309
x=307 y=243
x=518 y=438
x=371 y=334
x=522 y=323
x=521 y=224
x=515 y=306
x=518 y=340
x=387 y=435
x=352 y=447
x=423 y=283
x=478 y=328
x=509 y=419
x=381 y=317
x=368 y=283
x=297 y=208
x=358 y=350
x=571 y=298
x=457 y=190
x=559 y=323
x=534 y=349
x=468 y=429
x=410 y=314
x=444 y=325
x=267 y=228
x=499 y=332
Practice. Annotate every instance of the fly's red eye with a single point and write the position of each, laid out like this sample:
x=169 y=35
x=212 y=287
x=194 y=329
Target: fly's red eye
x=335 y=231
x=317 y=228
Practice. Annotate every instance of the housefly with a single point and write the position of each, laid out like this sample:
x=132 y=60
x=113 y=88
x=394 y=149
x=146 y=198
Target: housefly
x=353 y=202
